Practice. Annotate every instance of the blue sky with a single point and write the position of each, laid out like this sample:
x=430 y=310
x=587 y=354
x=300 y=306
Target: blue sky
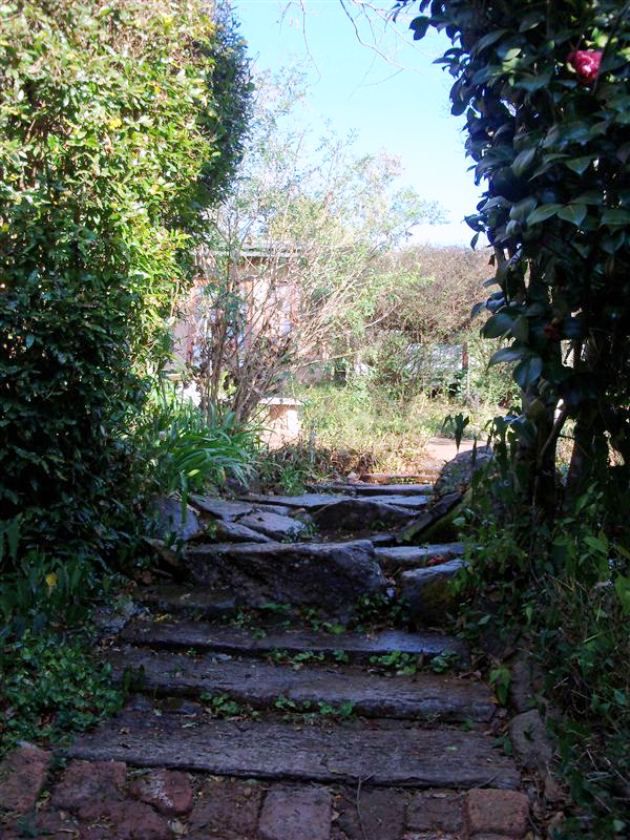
x=400 y=105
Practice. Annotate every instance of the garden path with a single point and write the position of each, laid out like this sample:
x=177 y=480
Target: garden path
x=282 y=690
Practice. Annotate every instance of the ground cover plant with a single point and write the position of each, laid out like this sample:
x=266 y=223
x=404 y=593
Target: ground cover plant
x=544 y=88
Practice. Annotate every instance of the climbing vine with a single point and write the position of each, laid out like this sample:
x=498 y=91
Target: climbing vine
x=544 y=90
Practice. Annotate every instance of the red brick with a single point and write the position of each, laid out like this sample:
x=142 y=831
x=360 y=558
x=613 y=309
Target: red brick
x=292 y=812
x=169 y=791
x=128 y=821
x=23 y=774
x=382 y=814
x=226 y=809
x=431 y=811
x=502 y=812
x=86 y=782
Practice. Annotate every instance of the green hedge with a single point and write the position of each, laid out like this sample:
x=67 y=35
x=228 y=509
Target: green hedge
x=108 y=154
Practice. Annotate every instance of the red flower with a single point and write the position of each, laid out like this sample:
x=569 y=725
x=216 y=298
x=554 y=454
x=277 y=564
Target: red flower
x=586 y=63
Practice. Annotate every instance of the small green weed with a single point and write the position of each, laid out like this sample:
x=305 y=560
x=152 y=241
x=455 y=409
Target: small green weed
x=225 y=706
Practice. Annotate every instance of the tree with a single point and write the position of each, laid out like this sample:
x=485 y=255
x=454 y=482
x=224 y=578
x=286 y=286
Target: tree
x=292 y=254
x=544 y=91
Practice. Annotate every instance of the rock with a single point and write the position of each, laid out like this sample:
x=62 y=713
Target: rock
x=128 y=820
x=434 y=521
x=175 y=523
x=331 y=576
x=221 y=508
x=283 y=510
x=358 y=488
x=230 y=531
x=357 y=514
x=456 y=476
x=169 y=791
x=289 y=813
x=227 y=809
x=501 y=812
x=530 y=741
x=85 y=783
x=436 y=810
x=23 y=774
x=415 y=556
x=403 y=501
x=274 y=525
x=427 y=592
x=522 y=690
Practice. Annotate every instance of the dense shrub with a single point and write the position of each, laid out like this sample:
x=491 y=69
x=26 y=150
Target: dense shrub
x=107 y=149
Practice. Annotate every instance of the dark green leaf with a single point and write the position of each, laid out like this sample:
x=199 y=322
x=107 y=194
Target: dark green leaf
x=508 y=354
x=574 y=213
x=523 y=161
x=498 y=325
x=419 y=26
x=542 y=213
x=528 y=372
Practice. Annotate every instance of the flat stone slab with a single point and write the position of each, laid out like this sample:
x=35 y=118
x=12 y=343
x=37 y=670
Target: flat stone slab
x=401 y=755
x=413 y=556
x=222 y=508
x=331 y=576
x=308 y=501
x=273 y=525
x=359 y=647
x=227 y=530
x=355 y=514
x=260 y=684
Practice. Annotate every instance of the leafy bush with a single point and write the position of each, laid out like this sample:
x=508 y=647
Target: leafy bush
x=563 y=590
x=184 y=451
x=107 y=125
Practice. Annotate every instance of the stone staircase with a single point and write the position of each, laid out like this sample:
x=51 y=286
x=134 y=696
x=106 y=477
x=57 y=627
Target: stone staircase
x=279 y=692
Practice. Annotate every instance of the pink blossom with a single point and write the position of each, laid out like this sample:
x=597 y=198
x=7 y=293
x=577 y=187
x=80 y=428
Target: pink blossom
x=586 y=63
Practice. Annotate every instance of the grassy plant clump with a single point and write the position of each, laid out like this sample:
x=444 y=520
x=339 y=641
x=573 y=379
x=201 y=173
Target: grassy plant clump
x=187 y=451
x=361 y=428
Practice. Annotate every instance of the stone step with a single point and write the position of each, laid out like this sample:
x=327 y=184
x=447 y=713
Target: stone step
x=416 y=501
x=329 y=576
x=354 y=514
x=260 y=684
x=427 y=475
x=415 y=556
x=360 y=488
x=176 y=598
x=308 y=501
x=403 y=755
x=359 y=647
